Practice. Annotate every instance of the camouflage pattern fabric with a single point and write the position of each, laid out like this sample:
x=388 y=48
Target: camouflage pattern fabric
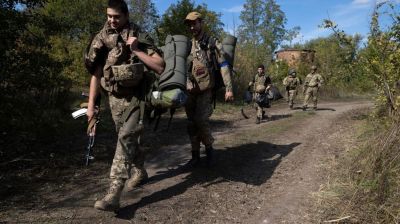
x=312 y=83
x=291 y=84
x=198 y=56
x=198 y=110
x=127 y=153
x=311 y=92
x=199 y=104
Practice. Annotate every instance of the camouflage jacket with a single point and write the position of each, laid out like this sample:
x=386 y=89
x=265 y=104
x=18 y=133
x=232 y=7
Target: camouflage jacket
x=108 y=48
x=291 y=83
x=208 y=51
x=263 y=80
x=314 y=80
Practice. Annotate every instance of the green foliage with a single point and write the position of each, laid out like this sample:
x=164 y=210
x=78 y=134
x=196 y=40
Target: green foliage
x=261 y=32
x=172 y=22
x=144 y=12
x=379 y=61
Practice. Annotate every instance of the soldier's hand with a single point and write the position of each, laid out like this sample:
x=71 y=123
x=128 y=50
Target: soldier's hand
x=228 y=96
x=133 y=43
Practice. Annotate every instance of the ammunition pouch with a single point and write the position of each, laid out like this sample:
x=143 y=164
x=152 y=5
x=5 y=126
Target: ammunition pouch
x=260 y=89
x=127 y=75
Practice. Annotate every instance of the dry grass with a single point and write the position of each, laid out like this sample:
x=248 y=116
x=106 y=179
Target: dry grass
x=366 y=181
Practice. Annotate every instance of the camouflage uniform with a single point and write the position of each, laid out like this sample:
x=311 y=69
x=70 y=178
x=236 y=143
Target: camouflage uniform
x=291 y=83
x=260 y=80
x=108 y=48
x=312 y=84
x=200 y=87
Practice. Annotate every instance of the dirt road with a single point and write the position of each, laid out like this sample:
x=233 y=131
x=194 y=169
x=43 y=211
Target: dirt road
x=266 y=173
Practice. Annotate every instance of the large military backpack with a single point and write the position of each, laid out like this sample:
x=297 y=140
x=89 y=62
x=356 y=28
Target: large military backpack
x=168 y=91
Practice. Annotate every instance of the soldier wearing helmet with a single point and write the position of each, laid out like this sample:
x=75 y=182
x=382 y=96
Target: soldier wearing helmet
x=291 y=83
x=311 y=87
x=260 y=85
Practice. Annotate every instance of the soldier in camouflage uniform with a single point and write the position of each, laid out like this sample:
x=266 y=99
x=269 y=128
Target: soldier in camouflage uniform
x=311 y=86
x=115 y=47
x=260 y=84
x=291 y=83
x=206 y=52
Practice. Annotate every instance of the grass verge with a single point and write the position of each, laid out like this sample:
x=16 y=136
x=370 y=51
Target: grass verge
x=364 y=186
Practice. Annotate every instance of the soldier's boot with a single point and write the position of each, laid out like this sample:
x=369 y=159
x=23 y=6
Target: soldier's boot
x=304 y=108
x=111 y=201
x=258 y=120
x=291 y=106
x=195 y=161
x=210 y=156
x=137 y=179
x=263 y=116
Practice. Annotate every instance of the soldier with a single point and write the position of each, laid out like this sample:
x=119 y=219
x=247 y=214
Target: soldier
x=205 y=57
x=311 y=86
x=291 y=83
x=118 y=44
x=261 y=83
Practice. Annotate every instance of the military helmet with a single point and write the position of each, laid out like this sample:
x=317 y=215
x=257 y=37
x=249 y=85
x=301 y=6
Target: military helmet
x=292 y=72
x=314 y=67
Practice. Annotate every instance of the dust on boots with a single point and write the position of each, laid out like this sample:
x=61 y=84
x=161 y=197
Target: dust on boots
x=110 y=202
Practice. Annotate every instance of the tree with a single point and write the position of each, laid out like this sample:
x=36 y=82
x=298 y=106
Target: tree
x=172 y=21
x=144 y=13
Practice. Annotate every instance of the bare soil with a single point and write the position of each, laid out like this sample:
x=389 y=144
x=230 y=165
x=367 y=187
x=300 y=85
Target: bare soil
x=266 y=173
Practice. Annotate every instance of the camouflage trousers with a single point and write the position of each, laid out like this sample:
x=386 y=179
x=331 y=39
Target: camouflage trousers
x=311 y=92
x=291 y=95
x=259 y=110
x=198 y=110
x=127 y=153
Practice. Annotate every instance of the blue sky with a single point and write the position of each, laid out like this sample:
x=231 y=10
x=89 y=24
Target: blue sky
x=351 y=15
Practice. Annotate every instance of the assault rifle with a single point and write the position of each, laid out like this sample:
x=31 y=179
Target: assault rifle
x=91 y=130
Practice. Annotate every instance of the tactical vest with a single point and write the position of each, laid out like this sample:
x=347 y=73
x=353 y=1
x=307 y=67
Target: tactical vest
x=259 y=83
x=204 y=64
x=292 y=83
x=313 y=80
x=121 y=71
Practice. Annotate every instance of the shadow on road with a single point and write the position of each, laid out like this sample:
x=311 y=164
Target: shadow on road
x=251 y=164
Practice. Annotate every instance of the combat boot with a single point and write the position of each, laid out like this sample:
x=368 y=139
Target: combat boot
x=291 y=107
x=138 y=178
x=304 y=108
x=195 y=161
x=210 y=156
x=111 y=201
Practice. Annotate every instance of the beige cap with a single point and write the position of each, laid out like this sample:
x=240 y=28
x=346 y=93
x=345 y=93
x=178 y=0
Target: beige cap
x=193 y=16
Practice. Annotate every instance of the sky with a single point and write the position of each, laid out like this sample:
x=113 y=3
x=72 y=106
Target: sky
x=352 y=16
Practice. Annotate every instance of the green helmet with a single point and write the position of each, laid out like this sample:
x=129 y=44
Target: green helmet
x=292 y=72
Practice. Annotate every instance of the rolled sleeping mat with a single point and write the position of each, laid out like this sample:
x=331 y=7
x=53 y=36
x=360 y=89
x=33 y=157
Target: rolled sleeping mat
x=180 y=69
x=228 y=45
x=176 y=51
x=182 y=44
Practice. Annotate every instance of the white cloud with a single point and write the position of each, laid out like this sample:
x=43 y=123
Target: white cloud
x=234 y=9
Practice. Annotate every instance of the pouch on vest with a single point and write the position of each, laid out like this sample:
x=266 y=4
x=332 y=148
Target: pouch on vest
x=204 y=80
x=128 y=75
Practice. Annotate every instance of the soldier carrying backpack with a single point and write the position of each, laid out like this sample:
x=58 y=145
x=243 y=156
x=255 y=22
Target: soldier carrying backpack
x=206 y=58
